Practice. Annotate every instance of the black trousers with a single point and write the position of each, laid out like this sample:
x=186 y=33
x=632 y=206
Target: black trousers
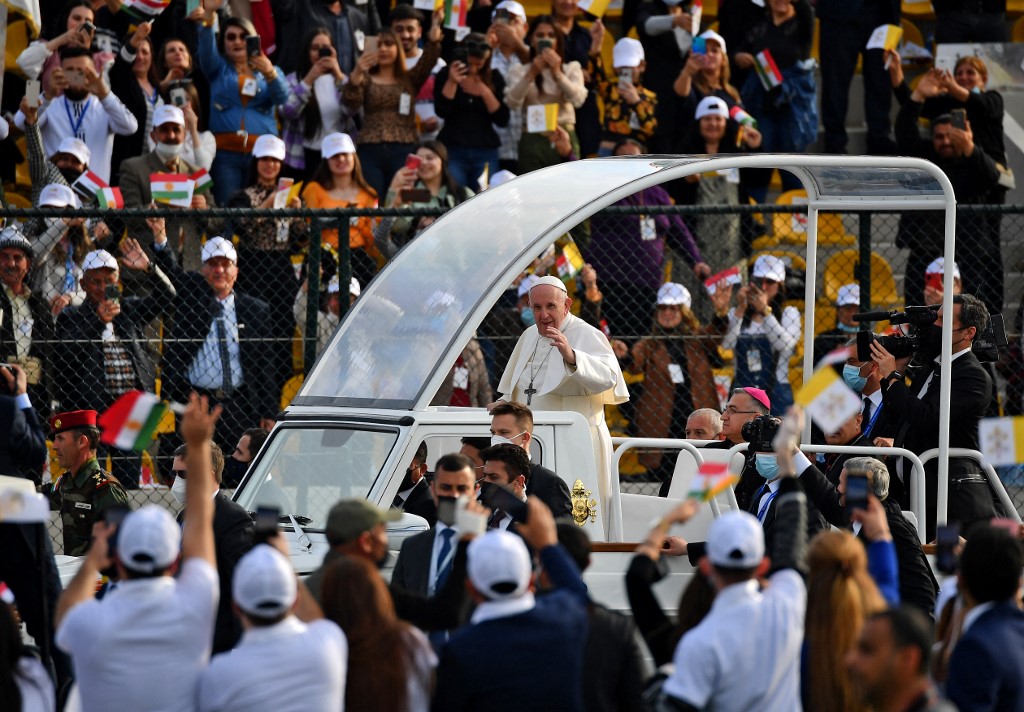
x=841 y=43
x=961 y=27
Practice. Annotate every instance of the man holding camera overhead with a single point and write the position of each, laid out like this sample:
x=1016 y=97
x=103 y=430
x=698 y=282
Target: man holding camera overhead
x=917 y=407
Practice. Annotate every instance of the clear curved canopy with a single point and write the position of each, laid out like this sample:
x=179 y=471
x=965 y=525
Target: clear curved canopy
x=407 y=329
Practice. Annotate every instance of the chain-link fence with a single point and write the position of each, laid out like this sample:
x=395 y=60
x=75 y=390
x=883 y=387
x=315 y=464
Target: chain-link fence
x=85 y=337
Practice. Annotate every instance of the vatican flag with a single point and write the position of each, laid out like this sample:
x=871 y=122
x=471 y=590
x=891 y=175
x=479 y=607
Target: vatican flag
x=1002 y=440
x=827 y=398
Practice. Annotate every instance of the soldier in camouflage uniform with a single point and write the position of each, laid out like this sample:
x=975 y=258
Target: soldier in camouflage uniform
x=84 y=491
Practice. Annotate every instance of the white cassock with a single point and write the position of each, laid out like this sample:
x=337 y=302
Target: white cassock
x=595 y=381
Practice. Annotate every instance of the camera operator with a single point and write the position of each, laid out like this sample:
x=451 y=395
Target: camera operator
x=917 y=406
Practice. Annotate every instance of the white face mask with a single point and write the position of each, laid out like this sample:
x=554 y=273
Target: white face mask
x=501 y=440
x=178 y=490
x=169 y=151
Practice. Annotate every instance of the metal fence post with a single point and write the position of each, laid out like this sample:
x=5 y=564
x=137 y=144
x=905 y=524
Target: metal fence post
x=863 y=268
x=344 y=264
x=311 y=341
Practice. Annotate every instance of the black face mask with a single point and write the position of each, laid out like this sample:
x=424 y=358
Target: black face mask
x=70 y=174
x=234 y=471
x=406 y=481
x=931 y=340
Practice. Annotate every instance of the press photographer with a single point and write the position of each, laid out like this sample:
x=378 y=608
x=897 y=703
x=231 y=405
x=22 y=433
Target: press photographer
x=917 y=408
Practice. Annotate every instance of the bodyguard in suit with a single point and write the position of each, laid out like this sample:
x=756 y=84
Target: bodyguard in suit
x=541 y=639
x=917 y=406
x=185 y=232
x=986 y=670
x=425 y=560
x=233 y=531
x=216 y=344
x=512 y=422
x=414 y=495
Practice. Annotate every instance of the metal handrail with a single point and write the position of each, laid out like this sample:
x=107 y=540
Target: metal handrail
x=625 y=444
x=942 y=503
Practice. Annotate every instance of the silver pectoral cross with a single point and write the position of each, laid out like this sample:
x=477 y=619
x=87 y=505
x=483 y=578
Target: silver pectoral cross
x=530 y=390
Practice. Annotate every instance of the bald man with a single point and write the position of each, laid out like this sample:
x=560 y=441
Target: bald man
x=563 y=363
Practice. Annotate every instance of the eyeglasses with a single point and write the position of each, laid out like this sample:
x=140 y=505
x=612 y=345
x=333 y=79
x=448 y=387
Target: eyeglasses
x=733 y=410
x=233 y=37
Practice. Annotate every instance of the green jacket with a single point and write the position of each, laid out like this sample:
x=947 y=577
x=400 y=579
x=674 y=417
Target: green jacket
x=81 y=500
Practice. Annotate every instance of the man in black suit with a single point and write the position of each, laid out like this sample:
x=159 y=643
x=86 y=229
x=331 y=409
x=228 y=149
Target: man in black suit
x=217 y=343
x=426 y=558
x=917 y=406
x=848 y=435
x=233 y=532
x=27 y=559
x=918 y=586
x=105 y=344
x=986 y=671
x=414 y=494
x=512 y=422
x=506 y=466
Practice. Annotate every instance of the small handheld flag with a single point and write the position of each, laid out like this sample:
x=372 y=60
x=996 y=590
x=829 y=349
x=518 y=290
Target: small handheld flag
x=1002 y=440
x=541 y=118
x=731 y=276
x=827 y=398
x=767 y=71
x=130 y=423
x=712 y=479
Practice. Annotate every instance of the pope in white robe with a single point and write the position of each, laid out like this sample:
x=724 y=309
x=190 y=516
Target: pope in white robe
x=562 y=363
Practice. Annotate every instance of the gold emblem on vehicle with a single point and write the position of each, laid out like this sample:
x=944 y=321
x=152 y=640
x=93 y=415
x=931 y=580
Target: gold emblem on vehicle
x=583 y=507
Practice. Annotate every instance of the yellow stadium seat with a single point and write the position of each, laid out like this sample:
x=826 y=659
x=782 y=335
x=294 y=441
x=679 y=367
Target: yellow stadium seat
x=839 y=269
x=17 y=41
x=919 y=10
x=1017 y=34
x=824 y=316
x=710 y=10
x=17 y=200
x=791 y=227
x=911 y=32
x=1015 y=8
x=290 y=388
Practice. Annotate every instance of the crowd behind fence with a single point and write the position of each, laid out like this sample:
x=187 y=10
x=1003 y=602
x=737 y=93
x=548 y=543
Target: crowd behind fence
x=616 y=285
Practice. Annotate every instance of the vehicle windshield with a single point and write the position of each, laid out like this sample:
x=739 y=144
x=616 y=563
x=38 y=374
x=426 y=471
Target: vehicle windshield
x=306 y=469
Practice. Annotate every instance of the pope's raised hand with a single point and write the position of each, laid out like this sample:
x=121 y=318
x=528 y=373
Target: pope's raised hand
x=561 y=343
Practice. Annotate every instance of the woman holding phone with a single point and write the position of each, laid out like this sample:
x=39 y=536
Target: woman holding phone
x=338 y=182
x=468 y=96
x=424 y=182
x=245 y=88
x=386 y=92
x=314 y=108
x=546 y=80
x=42 y=58
x=133 y=78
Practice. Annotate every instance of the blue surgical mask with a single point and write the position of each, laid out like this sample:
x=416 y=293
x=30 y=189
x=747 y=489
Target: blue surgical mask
x=526 y=316
x=851 y=374
x=976 y=90
x=848 y=328
x=767 y=465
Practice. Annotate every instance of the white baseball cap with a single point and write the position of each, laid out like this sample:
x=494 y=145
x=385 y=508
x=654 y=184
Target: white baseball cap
x=736 y=541
x=938 y=266
x=500 y=178
x=353 y=287
x=526 y=285
x=149 y=540
x=56 y=195
x=264 y=582
x=334 y=286
x=712 y=106
x=673 y=294
x=99 y=259
x=849 y=294
x=219 y=247
x=712 y=36
x=499 y=565
x=513 y=7
x=627 y=53
x=77 y=148
x=336 y=143
x=168 y=114
x=551 y=282
x=770 y=267
x=268 y=146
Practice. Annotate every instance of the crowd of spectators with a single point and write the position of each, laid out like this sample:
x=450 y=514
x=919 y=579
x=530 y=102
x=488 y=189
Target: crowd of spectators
x=305 y=103
x=769 y=619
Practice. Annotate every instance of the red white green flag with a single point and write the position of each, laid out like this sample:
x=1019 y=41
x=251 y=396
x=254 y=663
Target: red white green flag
x=172 y=188
x=110 y=198
x=129 y=424
x=767 y=71
x=202 y=180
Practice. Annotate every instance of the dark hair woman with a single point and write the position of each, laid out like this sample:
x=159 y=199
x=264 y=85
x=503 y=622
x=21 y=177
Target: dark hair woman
x=468 y=96
x=390 y=663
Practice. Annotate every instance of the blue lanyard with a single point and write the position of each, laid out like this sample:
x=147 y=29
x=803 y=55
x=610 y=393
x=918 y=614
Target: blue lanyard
x=155 y=95
x=874 y=417
x=75 y=125
x=764 y=507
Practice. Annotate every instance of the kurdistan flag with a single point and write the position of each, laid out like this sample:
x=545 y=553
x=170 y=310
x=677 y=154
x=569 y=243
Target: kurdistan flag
x=129 y=424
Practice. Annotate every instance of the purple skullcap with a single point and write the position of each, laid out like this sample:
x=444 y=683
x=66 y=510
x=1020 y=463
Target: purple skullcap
x=759 y=395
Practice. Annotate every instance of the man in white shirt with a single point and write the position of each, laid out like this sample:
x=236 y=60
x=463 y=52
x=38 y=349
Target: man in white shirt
x=87 y=111
x=745 y=654
x=407 y=23
x=144 y=645
x=289 y=657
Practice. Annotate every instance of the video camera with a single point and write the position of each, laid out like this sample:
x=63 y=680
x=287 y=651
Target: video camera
x=760 y=433
x=986 y=345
